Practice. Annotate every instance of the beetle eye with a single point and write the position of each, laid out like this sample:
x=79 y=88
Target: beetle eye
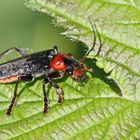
x=69 y=69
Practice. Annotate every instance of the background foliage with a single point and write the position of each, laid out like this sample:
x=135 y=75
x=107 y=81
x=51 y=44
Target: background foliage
x=93 y=110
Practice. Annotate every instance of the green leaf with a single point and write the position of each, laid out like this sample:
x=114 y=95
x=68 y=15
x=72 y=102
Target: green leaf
x=92 y=110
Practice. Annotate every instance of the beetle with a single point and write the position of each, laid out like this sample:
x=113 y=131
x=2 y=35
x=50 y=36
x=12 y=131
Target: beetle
x=50 y=64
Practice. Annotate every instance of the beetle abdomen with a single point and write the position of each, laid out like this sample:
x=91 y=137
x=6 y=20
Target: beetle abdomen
x=9 y=79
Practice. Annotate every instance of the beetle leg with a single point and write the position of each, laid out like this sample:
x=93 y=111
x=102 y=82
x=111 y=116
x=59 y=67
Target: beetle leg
x=23 y=78
x=28 y=77
x=46 y=95
x=21 y=51
x=8 y=112
x=57 y=88
x=59 y=91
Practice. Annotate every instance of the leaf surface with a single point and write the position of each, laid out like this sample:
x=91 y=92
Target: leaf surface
x=93 y=110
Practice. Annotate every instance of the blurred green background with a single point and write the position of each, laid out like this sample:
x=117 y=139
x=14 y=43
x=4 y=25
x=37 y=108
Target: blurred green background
x=21 y=27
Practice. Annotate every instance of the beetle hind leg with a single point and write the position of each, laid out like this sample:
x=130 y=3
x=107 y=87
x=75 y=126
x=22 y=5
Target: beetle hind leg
x=9 y=110
x=21 y=78
x=21 y=51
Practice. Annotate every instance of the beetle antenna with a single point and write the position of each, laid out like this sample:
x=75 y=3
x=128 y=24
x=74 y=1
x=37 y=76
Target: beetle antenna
x=94 y=29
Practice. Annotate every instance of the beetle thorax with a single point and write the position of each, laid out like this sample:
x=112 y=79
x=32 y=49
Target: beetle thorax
x=57 y=63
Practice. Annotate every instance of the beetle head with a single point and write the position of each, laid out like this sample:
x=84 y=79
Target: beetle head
x=76 y=70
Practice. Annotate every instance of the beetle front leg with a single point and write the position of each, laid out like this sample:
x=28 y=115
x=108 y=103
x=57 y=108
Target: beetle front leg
x=58 y=89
